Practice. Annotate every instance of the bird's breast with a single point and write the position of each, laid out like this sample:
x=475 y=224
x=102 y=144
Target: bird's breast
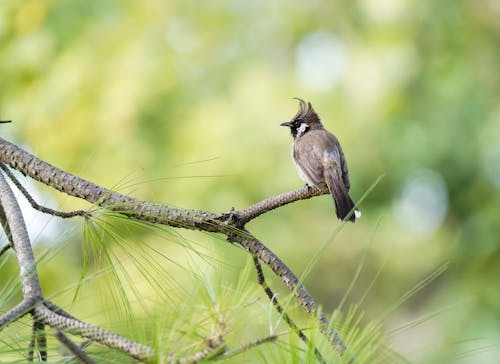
x=300 y=171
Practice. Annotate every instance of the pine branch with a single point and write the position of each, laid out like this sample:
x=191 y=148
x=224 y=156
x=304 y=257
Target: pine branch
x=76 y=327
x=33 y=203
x=24 y=307
x=214 y=344
x=6 y=229
x=4 y=249
x=250 y=345
x=73 y=348
x=230 y=224
x=244 y=216
x=38 y=340
x=20 y=240
x=272 y=297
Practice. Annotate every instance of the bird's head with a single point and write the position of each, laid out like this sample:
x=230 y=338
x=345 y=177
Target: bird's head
x=306 y=119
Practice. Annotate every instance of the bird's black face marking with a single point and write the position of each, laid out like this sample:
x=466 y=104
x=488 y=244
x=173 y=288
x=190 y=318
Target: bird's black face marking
x=297 y=126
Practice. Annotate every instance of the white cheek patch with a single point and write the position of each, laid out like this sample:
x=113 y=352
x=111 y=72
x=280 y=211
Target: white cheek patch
x=302 y=129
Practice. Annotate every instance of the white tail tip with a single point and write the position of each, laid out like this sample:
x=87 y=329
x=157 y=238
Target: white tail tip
x=357 y=214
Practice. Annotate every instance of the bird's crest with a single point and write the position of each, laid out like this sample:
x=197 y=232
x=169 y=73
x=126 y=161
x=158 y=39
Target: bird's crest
x=306 y=113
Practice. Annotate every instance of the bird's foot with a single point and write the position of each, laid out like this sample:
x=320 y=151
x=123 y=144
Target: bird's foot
x=309 y=187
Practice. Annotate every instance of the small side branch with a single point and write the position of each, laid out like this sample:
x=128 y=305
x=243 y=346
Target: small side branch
x=233 y=352
x=73 y=348
x=38 y=341
x=5 y=225
x=213 y=344
x=286 y=317
x=271 y=203
x=33 y=203
x=4 y=249
x=260 y=251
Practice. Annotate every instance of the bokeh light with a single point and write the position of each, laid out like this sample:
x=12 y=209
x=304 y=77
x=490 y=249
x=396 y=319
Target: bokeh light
x=423 y=203
x=321 y=61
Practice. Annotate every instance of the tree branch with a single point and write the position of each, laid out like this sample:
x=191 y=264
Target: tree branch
x=83 y=329
x=292 y=282
x=13 y=314
x=38 y=340
x=6 y=229
x=213 y=344
x=20 y=240
x=72 y=185
x=272 y=297
x=229 y=353
x=244 y=216
x=33 y=203
x=230 y=224
x=4 y=249
x=73 y=348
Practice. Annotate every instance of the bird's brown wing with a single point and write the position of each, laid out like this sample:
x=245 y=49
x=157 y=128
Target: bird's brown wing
x=345 y=171
x=340 y=164
x=337 y=177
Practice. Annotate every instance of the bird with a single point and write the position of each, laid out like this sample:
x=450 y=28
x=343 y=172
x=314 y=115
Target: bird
x=319 y=159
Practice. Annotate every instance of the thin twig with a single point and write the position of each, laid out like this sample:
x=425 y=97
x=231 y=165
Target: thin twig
x=215 y=343
x=31 y=347
x=272 y=297
x=247 y=346
x=34 y=204
x=73 y=348
x=4 y=249
x=41 y=339
x=5 y=225
x=38 y=340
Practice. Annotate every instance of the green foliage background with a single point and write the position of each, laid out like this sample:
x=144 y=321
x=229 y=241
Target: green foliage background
x=179 y=102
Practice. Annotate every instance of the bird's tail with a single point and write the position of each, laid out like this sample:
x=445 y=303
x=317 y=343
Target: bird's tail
x=341 y=198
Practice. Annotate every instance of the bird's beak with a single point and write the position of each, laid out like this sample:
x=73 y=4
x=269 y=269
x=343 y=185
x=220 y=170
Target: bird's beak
x=286 y=123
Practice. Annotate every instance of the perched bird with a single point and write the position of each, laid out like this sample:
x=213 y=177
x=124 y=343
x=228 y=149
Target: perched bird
x=319 y=159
